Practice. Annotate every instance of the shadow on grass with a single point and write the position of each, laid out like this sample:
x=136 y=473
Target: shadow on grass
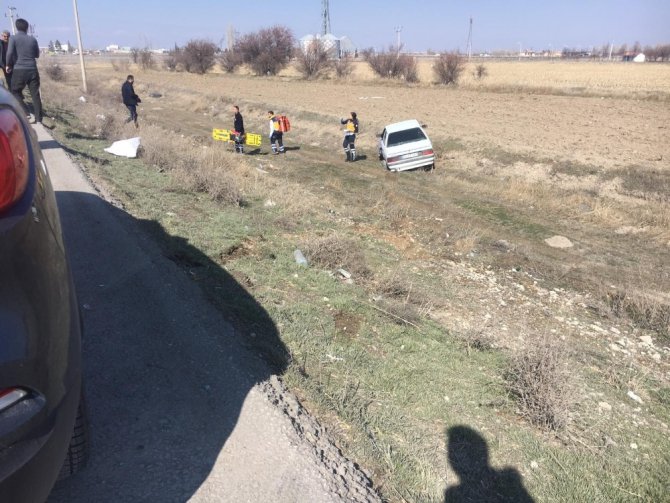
x=469 y=457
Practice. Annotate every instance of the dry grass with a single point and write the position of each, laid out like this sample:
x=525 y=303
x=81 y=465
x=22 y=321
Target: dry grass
x=539 y=178
x=539 y=379
x=337 y=252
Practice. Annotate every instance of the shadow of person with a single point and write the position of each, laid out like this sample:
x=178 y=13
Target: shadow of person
x=166 y=374
x=469 y=457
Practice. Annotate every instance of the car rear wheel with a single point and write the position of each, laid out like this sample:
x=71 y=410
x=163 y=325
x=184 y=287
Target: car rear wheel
x=77 y=451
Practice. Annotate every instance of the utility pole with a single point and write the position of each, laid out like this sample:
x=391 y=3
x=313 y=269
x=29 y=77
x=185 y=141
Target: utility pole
x=469 y=49
x=611 y=49
x=81 y=47
x=10 y=15
x=398 y=29
x=325 y=17
x=231 y=37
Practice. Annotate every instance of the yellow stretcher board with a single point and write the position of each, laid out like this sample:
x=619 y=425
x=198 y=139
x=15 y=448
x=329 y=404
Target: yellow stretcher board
x=251 y=139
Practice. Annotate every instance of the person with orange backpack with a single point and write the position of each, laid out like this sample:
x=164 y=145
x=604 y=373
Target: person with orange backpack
x=276 y=133
x=350 y=130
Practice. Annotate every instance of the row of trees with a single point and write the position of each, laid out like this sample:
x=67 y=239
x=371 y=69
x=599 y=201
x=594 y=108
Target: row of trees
x=659 y=52
x=270 y=50
x=58 y=47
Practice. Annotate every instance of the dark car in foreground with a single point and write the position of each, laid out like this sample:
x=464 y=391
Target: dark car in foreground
x=42 y=421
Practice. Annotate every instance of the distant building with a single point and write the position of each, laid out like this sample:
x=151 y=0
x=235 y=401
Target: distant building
x=337 y=47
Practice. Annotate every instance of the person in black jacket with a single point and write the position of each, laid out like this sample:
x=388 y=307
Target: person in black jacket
x=4 y=43
x=238 y=130
x=130 y=99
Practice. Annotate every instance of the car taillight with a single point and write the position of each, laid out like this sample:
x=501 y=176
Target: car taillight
x=10 y=396
x=14 y=159
x=394 y=159
x=427 y=152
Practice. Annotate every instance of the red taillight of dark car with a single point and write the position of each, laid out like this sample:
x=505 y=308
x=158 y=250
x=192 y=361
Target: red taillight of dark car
x=14 y=159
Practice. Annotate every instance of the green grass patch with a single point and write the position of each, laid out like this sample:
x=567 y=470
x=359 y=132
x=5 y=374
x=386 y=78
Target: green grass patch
x=391 y=390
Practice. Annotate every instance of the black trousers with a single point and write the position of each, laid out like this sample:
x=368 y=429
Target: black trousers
x=22 y=77
x=132 y=109
x=8 y=78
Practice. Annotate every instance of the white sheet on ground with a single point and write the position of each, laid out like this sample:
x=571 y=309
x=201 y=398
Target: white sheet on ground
x=125 y=148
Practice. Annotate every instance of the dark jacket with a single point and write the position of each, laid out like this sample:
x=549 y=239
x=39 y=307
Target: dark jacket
x=3 y=53
x=128 y=93
x=22 y=50
x=239 y=123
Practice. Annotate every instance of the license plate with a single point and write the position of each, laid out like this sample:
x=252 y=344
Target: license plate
x=409 y=156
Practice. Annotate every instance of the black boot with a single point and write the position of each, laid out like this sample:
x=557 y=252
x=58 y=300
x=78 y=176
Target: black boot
x=348 y=156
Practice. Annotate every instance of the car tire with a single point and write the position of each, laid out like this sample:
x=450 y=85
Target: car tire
x=381 y=156
x=77 y=451
x=429 y=168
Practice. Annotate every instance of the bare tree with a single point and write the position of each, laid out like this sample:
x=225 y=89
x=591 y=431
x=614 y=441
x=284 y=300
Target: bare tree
x=135 y=54
x=313 y=61
x=343 y=67
x=392 y=64
x=480 y=72
x=449 y=67
x=198 y=56
x=267 y=51
x=229 y=60
x=146 y=59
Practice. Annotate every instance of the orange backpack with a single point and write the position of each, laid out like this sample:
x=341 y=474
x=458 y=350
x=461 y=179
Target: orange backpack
x=284 y=123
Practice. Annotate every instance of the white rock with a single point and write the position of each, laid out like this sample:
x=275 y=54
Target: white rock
x=604 y=406
x=634 y=397
x=534 y=465
x=633 y=445
x=656 y=357
x=646 y=339
x=559 y=242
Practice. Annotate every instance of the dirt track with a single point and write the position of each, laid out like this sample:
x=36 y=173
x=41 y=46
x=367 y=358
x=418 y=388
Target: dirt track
x=603 y=132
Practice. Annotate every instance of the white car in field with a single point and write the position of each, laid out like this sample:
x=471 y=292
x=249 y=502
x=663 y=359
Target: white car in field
x=405 y=145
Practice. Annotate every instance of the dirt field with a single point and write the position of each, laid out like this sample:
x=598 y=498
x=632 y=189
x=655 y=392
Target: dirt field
x=464 y=249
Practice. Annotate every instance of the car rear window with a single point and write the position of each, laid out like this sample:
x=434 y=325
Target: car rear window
x=405 y=136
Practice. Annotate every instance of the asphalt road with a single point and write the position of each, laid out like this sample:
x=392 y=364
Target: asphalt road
x=176 y=411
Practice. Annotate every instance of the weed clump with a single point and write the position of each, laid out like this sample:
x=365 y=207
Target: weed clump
x=539 y=381
x=55 y=72
x=338 y=252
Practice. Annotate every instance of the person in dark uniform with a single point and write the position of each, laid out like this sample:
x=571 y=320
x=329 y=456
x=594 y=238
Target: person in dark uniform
x=4 y=43
x=350 y=130
x=276 y=134
x=238 y=130
x=130 y=99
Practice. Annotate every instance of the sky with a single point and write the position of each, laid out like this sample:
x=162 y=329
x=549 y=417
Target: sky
x=425 y=24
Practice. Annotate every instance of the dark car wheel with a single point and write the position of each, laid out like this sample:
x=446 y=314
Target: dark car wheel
x=77 y=451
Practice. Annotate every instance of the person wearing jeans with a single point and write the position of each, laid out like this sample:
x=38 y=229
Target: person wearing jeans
x=130 y=99
x=22 y=52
